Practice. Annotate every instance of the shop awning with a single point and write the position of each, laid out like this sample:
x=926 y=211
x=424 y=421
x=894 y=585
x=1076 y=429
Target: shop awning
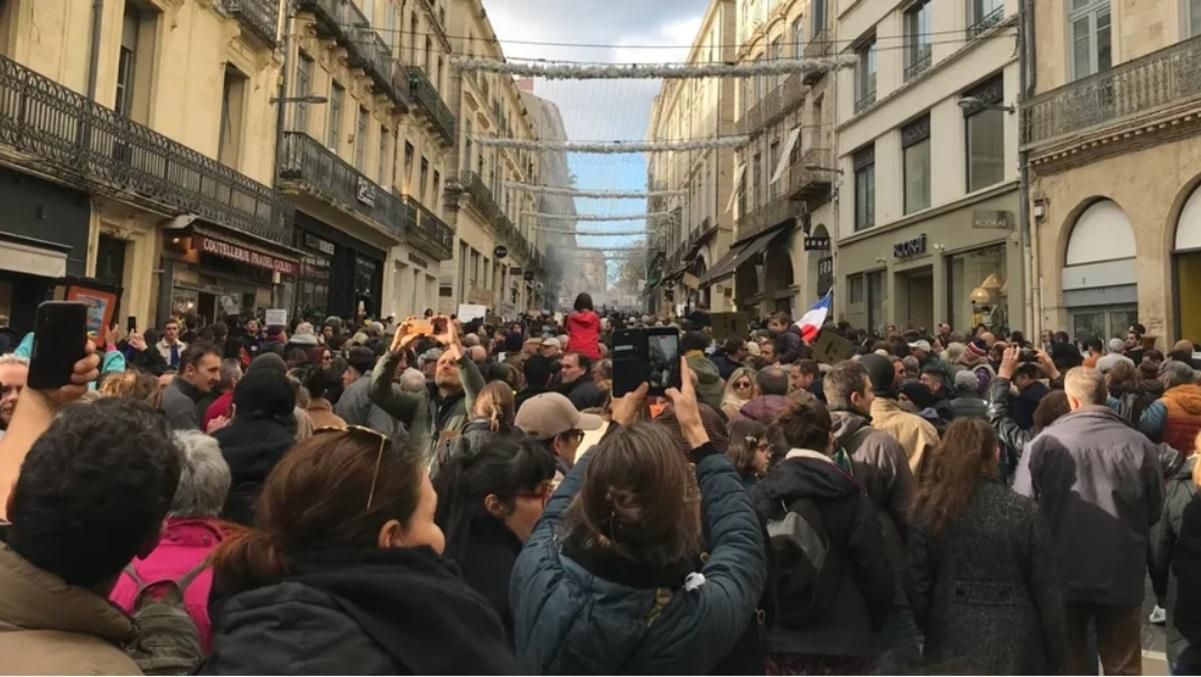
x=738 y=255
x=25 y=258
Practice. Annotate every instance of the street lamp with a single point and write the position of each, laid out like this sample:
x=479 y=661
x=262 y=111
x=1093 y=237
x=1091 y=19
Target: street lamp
x=973 y=104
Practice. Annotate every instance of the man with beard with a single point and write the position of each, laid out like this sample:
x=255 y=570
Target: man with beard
x=13 y=372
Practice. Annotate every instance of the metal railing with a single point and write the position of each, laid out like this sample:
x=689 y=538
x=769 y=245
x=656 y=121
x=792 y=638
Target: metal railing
x=1171 y=75
x=986 y=22
x=423 y=93
x=76 y=140
x=864 y=102
x=429 y=232
x=776 y=104
x=507 y=232
x=343 y=22
x=919 y=65
x=321 y=172
x=258 y=16
x=811 y=175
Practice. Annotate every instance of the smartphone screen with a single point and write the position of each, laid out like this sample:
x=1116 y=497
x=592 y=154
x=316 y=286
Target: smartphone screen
x=650 y=356
x=58 y=343
x=629 y=363
x=131 y=324
x=423 y=327
x=663 y=359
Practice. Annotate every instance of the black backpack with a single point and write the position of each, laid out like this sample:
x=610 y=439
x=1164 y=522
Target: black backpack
x=808 y=564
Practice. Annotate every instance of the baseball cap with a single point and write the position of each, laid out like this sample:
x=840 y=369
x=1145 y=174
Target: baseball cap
x=922 y=344
x=552 y=342
x=549 y=414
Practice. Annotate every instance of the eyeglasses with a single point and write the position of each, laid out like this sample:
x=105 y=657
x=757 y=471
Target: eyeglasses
x=542 y=492
x=742 y=385
x=379 y=457
x=575 y=434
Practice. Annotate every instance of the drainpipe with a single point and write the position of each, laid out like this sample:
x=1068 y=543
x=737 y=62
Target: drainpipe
x=281 y=107
x=94 y=58
x=1030 y=312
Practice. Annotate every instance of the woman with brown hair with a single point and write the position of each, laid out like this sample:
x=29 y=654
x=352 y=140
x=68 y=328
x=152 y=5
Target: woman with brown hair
x=343 y=572
x=492 y=414
x=132 y=385
x=985 y=585
x=610 y=580
x=750 y=450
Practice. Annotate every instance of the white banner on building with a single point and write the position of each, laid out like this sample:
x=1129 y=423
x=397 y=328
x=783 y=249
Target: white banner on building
x=786 y=151
x=738 y=173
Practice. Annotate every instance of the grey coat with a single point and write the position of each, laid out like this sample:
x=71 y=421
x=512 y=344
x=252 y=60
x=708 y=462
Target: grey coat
x=986 y=589
x=179 y=404
x=1098 y=484
x=355 y=407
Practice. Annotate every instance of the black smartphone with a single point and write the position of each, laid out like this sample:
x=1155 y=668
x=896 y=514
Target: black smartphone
x=649 y=356
x=60 y=336
x=131 y=324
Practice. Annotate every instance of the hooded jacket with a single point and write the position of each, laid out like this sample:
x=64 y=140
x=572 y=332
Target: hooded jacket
x=709 y=388
x=865 y=585
x=1176 y=568
x=50 y=627
x=788 y=345
x=991 y=566
x=399 y=611
x=915 y=433
x=568 y=619
x=583 y=334
x=1099 y=485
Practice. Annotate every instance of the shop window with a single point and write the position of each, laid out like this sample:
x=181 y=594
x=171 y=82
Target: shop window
x=865 y=75
x=1089 y=32
x=865 y=188
x=919 y=48
x=985 y=129
x=979 y=289
x=915 y=141
x=233 y=93
x=336 y=96
x=304 y=87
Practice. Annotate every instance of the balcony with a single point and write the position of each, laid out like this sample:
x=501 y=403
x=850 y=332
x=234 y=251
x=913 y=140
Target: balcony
x=919 y=63
x=427 y=232
x=864 y=102
x=341 y=21
x=471 y=185
x=772 y=213
x=986 y=22
x=423 y=93
x=257 y=16
x=61 y=133
x=811 y=176
x=775 y=105
x=1167 y=78
x=319 y=171
x=820 y=47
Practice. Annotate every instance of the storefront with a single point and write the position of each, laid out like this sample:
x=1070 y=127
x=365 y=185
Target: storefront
x=1186 y=259
x=215 y=275
x=339 y=274
x=43 y=237
x=954 y=265
x=1100 y=273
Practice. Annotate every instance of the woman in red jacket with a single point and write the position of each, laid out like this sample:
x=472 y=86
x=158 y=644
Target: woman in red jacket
x=583 y=329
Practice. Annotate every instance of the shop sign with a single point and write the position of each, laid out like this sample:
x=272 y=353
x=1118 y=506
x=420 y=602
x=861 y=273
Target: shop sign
x=313 y=242
x=365 y=192
x=991 y=218
x=500 y=252
x=418 y=261
x=515 y=270
x=528 y=275
x=249 y=256
x=903 y=250
x=825 y=275
x=817 y=244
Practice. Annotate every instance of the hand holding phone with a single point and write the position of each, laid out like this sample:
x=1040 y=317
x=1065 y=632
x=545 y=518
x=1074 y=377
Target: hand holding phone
x=60 y=341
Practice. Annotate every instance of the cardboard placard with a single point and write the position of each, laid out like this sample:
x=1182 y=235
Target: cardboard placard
x=830 y=348
x=729 y=325
x=470 y=311
x=276 y=317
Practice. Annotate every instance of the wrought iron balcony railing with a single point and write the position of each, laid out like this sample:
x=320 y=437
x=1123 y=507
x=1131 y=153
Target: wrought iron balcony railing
x=920 y=62
x=775 y=105
x=481 y=197
x=864 y=102
x=1170 y=76
x=319 y=171
x=78 y=141
x=811 y=175
x=428 y=232
x=258 y=16
x=341 y=20
x=479 y=193
x=986 y=22
x=423 y=93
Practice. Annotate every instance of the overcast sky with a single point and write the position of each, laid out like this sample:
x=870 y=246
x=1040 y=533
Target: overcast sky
x=601 y=110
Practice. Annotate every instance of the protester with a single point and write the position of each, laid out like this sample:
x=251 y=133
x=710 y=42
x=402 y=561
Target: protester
x=709 y=386
x=915 y=434
x=344 y=568
x=771 y=399
x=740 y=389
x=935 y=378
x=538 y=373
x=622 y=539
x=1099 y=486
x=132 y=385
x=916 y=398
x=1011 y=436
x=319 y=383
x=829 y=604
x=231 y=372
x=583 y=329
x=966 y=520
x=1176 y=566
x=575 y=373
x=199 y=374
x=14 y=371
x=262 y=430
x=1175 y=417
x=552 y=420
x=356 y=406
x=488 y=504
x=749 y=450
x=788 y=345
x=170 y=347
x=192 y=532
x=551 y=348
x=730 y=357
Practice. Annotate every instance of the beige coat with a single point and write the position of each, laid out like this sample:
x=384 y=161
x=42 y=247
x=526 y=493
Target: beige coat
x=915 y=433
x=50 y=627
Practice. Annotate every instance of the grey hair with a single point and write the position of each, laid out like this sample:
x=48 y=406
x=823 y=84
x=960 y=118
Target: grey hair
x=204 y=476
x=844 y=380
x=470 y=340
x=1086 y=385
x=13 y=358
x=412 y=380
x=1176 y=373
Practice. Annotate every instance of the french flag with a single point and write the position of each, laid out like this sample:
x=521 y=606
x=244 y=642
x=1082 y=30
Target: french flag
x=811 y=322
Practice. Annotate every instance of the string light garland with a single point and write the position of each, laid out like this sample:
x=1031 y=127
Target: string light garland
x=590 y=193
x=599 y=217
x=615 y=146
x=661 y=71
x=590 y=233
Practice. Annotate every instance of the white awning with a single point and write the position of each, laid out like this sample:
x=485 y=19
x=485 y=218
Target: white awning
x=738 y=173
x=785 y=153
x=22 y=258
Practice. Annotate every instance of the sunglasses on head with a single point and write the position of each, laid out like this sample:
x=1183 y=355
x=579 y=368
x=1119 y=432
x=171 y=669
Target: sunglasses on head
x=364 y=432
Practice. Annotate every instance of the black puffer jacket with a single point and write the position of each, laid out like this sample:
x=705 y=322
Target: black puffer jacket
x=251 y=448
x=1176 y=568
x=991 y=570
x=865 y=589
x=379 y=612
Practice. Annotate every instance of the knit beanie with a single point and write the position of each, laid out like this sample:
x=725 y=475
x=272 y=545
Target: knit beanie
x=919 y=394
x=879 y=370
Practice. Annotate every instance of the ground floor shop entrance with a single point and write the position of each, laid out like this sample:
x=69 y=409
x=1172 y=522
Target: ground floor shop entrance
x=915 y=297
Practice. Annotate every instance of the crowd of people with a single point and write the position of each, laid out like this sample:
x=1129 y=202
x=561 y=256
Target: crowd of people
x=433 y=496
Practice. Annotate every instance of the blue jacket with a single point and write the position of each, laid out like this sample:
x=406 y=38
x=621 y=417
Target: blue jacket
x=568 y=621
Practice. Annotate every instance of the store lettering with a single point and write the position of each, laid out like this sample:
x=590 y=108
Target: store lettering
x=236 y=253
x=909 y=248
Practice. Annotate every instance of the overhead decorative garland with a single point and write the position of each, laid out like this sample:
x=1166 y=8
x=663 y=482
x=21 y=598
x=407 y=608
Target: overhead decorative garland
x=614 y=146
x=599 y=217
x=638 y=71
x=591 y=233
x=599 y=194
